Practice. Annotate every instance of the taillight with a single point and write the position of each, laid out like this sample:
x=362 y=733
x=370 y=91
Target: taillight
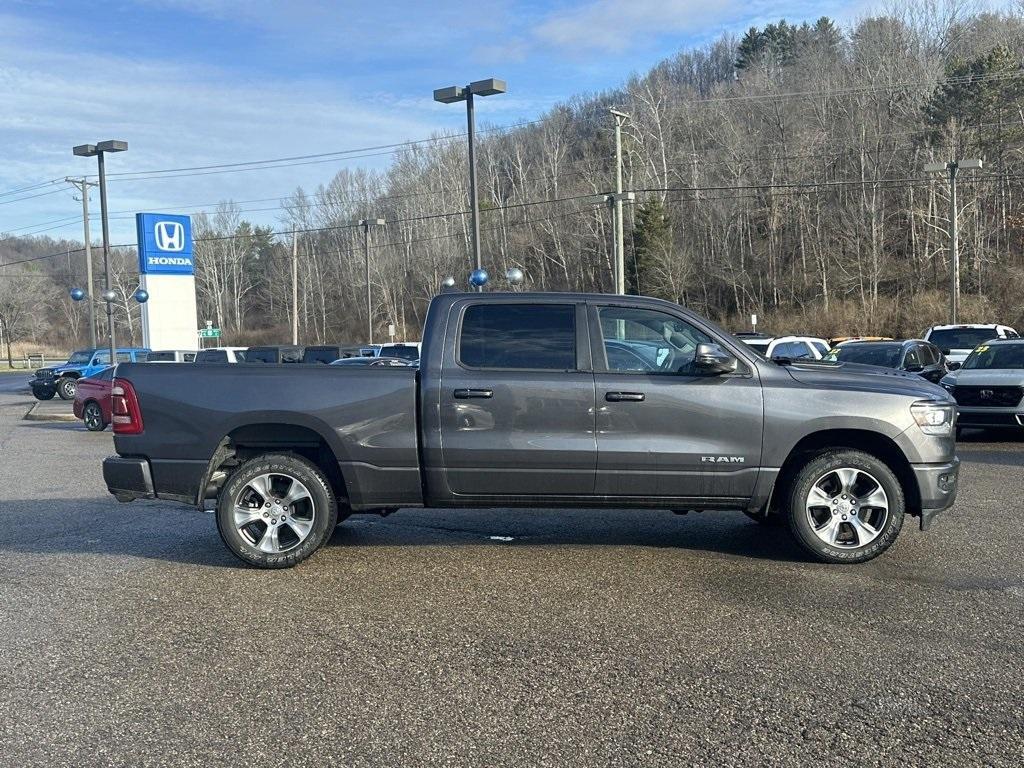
x=124 y=409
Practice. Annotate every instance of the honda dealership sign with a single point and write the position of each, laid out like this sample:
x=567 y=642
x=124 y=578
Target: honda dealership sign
x=165 y=244
x=166 y=269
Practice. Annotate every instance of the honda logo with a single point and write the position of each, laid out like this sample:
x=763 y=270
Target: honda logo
x=169 y=235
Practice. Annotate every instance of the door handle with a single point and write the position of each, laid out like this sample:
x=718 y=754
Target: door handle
x=623 y=397
x=466 y=394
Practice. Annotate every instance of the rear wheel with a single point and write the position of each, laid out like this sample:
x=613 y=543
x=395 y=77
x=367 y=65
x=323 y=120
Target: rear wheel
x=276 y=510
x=845 y=506
x=66 y=388
x=92 y=415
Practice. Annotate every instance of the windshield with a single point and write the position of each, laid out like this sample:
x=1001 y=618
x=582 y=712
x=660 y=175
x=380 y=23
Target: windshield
x=81 y=357
x=961 y=338
x=1005 y=356
x=887 y=355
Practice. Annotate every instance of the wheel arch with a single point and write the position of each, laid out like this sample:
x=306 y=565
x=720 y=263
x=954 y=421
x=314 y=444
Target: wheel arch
x=253 y=439
x=880 y=446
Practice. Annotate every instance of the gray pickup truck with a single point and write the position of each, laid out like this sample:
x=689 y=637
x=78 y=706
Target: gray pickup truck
x=541 y=400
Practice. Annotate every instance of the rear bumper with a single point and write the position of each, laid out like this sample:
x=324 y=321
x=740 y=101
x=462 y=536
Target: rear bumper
x=128 y=478
x=937 y=485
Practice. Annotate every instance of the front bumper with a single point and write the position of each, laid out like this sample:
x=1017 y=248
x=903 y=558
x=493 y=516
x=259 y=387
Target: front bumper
x=937 y=485
x=128 y=478
x=989 y=417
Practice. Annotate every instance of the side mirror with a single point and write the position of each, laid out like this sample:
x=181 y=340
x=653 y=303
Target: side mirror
x=712 y=358
x=914 y=368
x=954 y=366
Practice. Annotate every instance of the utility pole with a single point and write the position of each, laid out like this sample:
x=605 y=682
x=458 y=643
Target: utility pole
x=366 y=224
x=619 y=248
x=295 y=287
x=82 y=185
x=951 y=168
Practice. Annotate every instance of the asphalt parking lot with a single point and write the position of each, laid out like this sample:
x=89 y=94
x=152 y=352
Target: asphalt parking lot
x=129 y=636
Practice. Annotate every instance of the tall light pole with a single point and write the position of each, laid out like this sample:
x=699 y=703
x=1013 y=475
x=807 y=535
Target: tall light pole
x=619 y=249
x=295 y=287
x=366 y=224
x=98 y=151
x=951 y=168
x=465 y=93
x=82 y=185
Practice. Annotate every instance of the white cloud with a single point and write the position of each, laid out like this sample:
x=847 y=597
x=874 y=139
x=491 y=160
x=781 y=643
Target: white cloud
x=614 y=26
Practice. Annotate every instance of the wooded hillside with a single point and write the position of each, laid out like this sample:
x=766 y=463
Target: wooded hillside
x=781 y=173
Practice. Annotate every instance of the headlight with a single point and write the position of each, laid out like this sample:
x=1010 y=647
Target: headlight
x=934 y=418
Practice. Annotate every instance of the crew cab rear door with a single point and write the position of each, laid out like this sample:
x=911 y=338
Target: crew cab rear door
x=664 y=428
x=516 y=401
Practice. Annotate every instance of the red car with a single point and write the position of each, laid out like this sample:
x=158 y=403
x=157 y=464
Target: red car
x=92 y=399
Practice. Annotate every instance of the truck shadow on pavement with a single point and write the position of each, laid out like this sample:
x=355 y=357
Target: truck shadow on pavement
x=154 y=530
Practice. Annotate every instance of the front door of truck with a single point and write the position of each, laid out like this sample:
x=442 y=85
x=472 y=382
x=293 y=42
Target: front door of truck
x=665 y=429
x=516 y=401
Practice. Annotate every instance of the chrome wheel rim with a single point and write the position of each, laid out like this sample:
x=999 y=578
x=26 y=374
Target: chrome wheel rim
x=68 y=387
x=274 y=513
x=847 y=508
x=92 y=416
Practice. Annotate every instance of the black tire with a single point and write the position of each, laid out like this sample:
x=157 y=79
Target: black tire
x=44 y=394
x=66 y=386
x=822 y=469
x=321 y=510
x=92 y=417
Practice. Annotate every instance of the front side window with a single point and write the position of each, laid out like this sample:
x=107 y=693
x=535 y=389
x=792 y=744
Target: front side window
x=648 y=341
x=102 y=357
x=212 y=356
x=519 y=336
x=912 y=358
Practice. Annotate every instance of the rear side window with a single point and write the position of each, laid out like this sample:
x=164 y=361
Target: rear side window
x=795 y=350
x=190 y=357
x=261 y=356
x=523 y=336
x=162 y=357
x=325 y=355
x=126 y=357
x=212 y=356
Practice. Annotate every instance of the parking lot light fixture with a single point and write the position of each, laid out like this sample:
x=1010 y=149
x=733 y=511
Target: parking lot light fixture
x=98 y=151
x=366 y=224
x=951 y=168
x=450 y=95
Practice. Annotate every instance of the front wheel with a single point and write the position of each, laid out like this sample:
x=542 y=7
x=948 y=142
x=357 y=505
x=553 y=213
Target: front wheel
x=276 y=510
x=43 y=393
x=845 y=506
x=66 y=388
x=92 y=416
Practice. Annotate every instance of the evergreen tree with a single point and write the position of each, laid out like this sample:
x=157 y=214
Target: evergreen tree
x=652 y=245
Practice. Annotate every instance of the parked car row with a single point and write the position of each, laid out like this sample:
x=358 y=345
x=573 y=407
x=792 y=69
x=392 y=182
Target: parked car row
x=62 y=380
x=981 y=365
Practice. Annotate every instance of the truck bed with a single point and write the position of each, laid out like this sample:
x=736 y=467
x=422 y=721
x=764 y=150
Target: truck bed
x=365 y=416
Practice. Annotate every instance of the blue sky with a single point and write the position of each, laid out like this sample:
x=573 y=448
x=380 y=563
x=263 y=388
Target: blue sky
x=198 y=82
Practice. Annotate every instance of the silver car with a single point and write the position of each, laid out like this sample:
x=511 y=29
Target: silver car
x=989 y=386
